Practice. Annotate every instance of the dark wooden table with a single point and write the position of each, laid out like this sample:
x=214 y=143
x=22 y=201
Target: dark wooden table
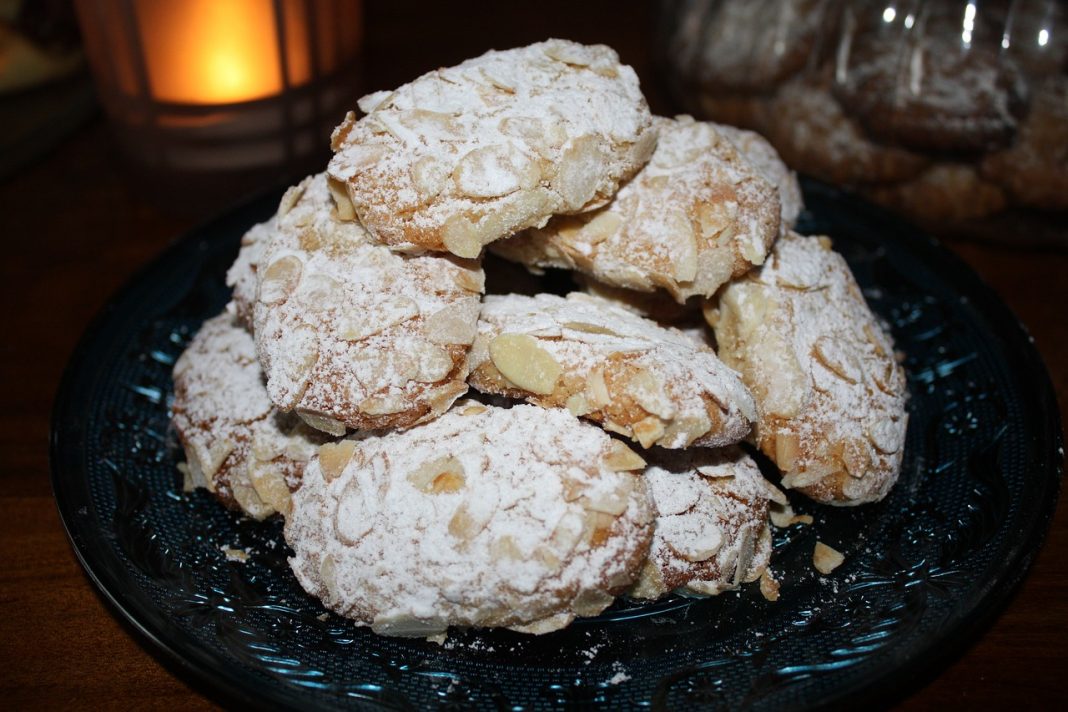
x=73 y=229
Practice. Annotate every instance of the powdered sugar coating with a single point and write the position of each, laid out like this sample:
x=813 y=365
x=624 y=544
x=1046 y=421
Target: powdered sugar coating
x=517 y=521
x=242 y=273
x=697 y=215
x=352 y=334
x=650 y=383
x=830 y=394
x=763 y=156
x=712 y=531
x=237 y=445
x=468 y=154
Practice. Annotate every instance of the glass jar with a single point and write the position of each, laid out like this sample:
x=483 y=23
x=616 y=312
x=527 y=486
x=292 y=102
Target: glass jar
x=953 y=112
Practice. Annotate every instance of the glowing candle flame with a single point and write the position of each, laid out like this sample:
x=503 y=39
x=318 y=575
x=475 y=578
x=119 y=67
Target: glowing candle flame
x=210 y=51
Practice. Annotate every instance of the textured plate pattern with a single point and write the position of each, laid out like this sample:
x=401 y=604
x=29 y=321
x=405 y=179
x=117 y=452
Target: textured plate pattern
x=924 y=569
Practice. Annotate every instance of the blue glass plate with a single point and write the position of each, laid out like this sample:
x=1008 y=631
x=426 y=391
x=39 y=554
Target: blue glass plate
x=925 y=570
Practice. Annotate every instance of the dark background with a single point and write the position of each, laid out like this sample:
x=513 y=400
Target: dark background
x=74 y=226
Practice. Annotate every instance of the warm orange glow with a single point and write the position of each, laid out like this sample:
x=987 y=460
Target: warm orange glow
x=212 y=51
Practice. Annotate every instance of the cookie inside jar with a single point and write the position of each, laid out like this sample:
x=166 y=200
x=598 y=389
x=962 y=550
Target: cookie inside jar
x=951 y=113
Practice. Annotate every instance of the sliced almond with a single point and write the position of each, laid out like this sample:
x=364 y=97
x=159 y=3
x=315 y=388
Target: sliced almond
x=472 y=279
x=648 y=391
x=343 y=207
x=591 y=602
x=567 y=533
x=837 y=359
x=467 y=522
x=618 y=428
x=597 y=528
x=681 y=432
x=614 y=502
x=504 y=548
x=319 y=292
x=429 y=176
x=650 y=583
x=569 y=53
x=769 y=586
x=461 y=237
x=856 y=456
x=280 y=279
x=270 y=484
x=291 y=197
x=783 y=516
x=694 y=537
x=577 y=405
x=621 y=458
x=597 y=389
x=605 y=224
x=494 y=171
x=579 y=172
x=681 y=245
x=474 y=409
x=334 y=457
x=826 y=559
x=388 y=312
x=323 y=423
x=522 y=361
x=787 y=449
x=587 y=328
x=356 y=512
x=454 y=324
x=212 y=457
x=648 y=430
x=383 y=405
x=328 y=575
x=441 y=475
x=432 y=363
x=548 y=559
x=886 y=435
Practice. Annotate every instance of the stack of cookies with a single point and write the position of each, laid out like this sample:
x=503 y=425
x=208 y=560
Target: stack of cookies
x=598 y=453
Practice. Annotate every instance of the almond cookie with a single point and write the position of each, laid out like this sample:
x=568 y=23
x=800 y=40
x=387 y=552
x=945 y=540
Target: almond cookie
x=829 y=392
x=814 y=136
x=698 y=214
x=351 y=334
x=1034 y=170
x=469 y=154
x=237 y=446
x=649 y=383
x=658 y=306
x=241 y=276
x=750 y=45
x=943 y=194
x=763 y=156
x=521 y=517
x=712 y=532
x=941 y=85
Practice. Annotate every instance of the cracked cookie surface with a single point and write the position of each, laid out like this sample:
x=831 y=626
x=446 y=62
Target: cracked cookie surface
x=352 y=334
x=469 y=154
x=237 y=445
x=830 y=393
x=697 y=215
x=528 y=518
x=650 y=383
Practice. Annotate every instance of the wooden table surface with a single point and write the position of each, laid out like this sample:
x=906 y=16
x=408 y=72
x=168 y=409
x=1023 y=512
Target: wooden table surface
x=73 y=230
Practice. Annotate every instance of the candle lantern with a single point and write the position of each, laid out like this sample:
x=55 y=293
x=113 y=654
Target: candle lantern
x=227 y=88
